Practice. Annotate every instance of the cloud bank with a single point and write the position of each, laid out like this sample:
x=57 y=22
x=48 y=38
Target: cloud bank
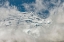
x=40 y=23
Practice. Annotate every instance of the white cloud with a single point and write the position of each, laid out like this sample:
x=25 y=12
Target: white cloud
x=9 y=30
x=14 y=24
x=53 y=31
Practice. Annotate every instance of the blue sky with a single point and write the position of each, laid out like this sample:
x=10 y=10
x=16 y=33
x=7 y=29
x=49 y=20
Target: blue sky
x=46 y=3
x=19 y=3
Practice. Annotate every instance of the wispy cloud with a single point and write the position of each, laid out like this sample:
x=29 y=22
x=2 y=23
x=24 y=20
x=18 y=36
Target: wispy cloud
x=56 y=15
x=29 y=26
x=9 y=18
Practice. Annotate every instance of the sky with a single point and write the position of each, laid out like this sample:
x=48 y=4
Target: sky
x=31 y=20
x=19 y=3
x=28 y=5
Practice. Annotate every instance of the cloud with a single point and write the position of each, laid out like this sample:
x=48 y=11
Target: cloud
x=9 y=29
x=29 y=26
x=41 y=5
x=56 y=16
